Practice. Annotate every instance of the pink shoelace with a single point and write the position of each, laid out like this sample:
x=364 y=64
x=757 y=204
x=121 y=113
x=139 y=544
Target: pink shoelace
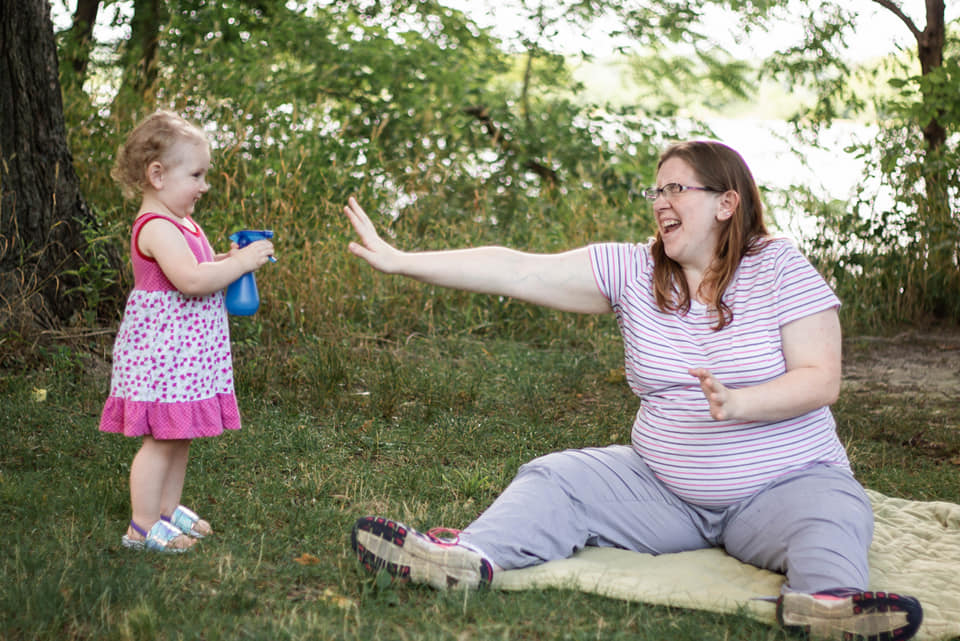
x=444 y=536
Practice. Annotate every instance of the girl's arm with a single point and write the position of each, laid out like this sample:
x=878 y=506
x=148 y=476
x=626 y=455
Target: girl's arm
x=812 y=351
x=561 y=281
x=161 y=240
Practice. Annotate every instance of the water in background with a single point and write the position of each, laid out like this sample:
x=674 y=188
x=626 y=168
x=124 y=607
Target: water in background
x=779 y=160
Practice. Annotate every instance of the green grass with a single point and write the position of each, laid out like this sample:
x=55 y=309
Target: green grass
x=426 y=430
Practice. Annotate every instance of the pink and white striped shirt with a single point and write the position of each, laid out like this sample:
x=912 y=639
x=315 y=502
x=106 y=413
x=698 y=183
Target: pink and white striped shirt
x=704 y=461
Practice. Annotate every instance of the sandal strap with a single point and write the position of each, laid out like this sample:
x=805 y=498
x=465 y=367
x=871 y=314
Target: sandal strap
x=161 y=535
x=183 y=518
x=139 y=530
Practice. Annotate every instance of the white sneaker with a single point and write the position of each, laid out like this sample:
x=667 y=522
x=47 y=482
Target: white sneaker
x=408 y=555
x=851 y=615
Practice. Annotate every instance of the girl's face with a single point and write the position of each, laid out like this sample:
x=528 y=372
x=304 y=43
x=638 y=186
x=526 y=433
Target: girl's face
x=690 y=221
x=182 y=176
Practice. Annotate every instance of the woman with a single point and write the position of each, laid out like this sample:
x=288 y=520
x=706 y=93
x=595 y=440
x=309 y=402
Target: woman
x=732 y=342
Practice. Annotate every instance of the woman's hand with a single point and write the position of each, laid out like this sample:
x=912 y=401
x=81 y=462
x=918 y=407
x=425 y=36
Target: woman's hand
x=718 y=395
x=378 y=253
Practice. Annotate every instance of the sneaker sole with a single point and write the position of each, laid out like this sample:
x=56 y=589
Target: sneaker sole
x=408 y=556
x=867 y=616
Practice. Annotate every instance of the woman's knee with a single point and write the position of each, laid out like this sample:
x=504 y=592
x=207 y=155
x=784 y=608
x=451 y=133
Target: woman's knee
x=574 y=467
x=553 y=465
x=816 y=523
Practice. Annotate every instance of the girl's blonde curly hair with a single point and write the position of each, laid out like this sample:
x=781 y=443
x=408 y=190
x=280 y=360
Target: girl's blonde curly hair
x=149 y=142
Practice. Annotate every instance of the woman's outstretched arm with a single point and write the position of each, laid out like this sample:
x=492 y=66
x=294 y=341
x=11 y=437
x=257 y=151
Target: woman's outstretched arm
x=561 y=281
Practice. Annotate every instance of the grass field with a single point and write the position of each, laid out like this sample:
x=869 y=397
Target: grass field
x=425 y=430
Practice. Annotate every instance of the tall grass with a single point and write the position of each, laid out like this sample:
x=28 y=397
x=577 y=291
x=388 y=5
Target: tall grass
x=419 y=199
x=893 y=258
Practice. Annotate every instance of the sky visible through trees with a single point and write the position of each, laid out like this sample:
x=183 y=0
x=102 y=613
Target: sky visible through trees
x=762 y=140
x=884 y=36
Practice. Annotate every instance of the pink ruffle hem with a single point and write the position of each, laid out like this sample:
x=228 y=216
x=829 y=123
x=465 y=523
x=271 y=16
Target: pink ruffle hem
x=167 y=421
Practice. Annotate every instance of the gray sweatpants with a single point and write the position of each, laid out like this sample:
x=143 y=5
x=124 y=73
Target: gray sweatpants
x=814 y=525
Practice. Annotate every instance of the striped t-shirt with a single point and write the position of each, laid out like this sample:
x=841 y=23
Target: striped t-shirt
x=704 y=461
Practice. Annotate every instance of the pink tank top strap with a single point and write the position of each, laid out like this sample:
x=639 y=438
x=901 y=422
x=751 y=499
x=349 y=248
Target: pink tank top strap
x=147 y=274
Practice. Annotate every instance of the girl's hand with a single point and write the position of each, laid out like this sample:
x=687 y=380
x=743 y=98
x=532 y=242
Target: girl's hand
x=253 y=256
x=378 y=253
x=718 y=395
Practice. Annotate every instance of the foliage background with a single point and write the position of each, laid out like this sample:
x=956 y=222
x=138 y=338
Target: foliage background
x=451 y=139
x=305 y=110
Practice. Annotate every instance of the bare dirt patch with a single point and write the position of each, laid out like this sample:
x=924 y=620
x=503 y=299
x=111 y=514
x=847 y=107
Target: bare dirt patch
x=911 y=364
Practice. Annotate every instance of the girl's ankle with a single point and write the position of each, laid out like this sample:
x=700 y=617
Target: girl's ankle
x=137 y=533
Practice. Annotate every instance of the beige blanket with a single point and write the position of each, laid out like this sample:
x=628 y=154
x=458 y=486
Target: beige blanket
x=915 y=551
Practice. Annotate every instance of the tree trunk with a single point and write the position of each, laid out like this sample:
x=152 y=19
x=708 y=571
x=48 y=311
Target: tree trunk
x=939 y=226
x=141 y=50
x=42 y=212
x=81 y=34
x=930 y=44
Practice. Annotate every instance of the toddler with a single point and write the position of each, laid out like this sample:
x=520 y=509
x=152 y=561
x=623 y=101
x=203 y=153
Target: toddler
x=172 y=375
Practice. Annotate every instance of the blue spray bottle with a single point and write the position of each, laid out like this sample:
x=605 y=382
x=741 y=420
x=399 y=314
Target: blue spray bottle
x=242 y=296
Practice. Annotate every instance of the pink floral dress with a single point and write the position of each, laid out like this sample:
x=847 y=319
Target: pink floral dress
x=172 y=368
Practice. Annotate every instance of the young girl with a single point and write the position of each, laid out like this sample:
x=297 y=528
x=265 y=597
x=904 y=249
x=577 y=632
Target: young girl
x=172 y=371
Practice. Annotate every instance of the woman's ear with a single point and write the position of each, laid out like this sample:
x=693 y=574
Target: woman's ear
x=155 y=174
x=729 y=201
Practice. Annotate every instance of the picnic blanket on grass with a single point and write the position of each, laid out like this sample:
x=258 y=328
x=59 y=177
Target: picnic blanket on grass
x=915 y=551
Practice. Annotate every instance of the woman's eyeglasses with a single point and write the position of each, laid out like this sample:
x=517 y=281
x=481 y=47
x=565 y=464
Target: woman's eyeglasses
x=672 y=189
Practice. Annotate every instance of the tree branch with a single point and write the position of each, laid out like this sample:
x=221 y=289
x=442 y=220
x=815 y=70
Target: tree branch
x=483 y=115
x=895 y=9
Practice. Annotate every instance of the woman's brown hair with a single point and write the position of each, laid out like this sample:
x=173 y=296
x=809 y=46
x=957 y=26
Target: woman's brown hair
x=722 y=169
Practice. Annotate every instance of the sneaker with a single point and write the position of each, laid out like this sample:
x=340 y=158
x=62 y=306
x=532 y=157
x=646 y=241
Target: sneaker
x=851 y=615
x=408 y=555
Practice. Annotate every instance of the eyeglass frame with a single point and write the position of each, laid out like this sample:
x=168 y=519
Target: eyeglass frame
x=673 y=189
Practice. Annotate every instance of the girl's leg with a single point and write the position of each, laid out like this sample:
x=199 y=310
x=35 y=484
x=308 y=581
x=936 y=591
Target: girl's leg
x=607 y=497
x=814 y=525
x=172 y=488
x=148 y=474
